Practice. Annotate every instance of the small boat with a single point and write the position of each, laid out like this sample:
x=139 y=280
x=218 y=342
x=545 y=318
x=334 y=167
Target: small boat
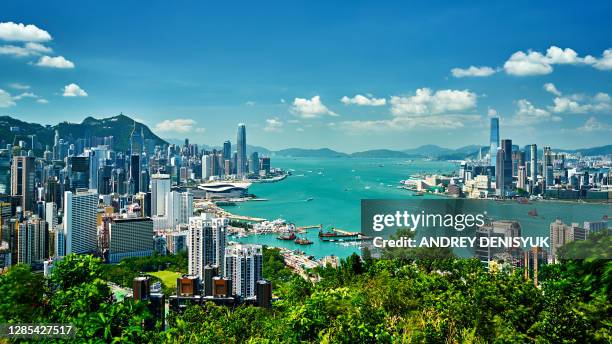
x=303 y=241
x=522 y=200
x=533 y=213
x=287 y=236
x=381 y=165
x=309 y=199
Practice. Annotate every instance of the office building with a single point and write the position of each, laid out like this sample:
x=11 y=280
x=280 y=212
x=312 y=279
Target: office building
x=241 y=170
x=130 y=237
x=80 y=226
x=254 y=163
x=179 y=208
x=227 y=150
x=493 y=141
x=593 y=227
x=521 y=182
x=23 y=176
x=160 y=187
x=243 y=266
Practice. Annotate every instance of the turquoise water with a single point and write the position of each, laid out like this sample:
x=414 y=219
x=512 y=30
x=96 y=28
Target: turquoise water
x=337 y=186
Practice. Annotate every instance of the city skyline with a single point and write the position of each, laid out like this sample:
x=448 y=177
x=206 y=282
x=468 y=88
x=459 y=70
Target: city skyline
x=183 y=76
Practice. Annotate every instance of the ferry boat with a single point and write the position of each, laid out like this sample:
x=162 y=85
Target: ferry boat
x=303 y=241
x=287 y=236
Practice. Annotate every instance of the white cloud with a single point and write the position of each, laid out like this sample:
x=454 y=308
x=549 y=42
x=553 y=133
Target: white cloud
x=29 y=49
x=536 y=63
x=605 y=62
x=38 y=48
x=14 y=50
x=580 y=103
x=363 y=100
x=532 y=63
x=200 y=130
x=528 y=114
x=491 y=112
x=25 y=95
x=473 y=71
x=551 y=88
x=299 y=129
x=19 y=86
x=6 y=100
x=592 y=124
x=42 y=101
x=74 y=90
x=10 y=31
x=250 y=103
x=310 y=108
x=54 y=62
x=273 y=124
x=179 y=125
x=425 y=102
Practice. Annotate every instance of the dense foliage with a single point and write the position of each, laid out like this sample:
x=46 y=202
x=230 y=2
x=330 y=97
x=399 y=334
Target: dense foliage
x=362 y=301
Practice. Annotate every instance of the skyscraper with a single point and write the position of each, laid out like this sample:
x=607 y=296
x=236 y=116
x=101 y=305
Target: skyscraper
x=533 y=163
x=494 y=141
x=241 y=162
x=160 y=187
x=254 y=163
x=80 y=226
x=503 y=169
x=136 y=140
x=22 y=181
x=179 y=207
x=227 y=150
x=243 y=265
x=206 y=166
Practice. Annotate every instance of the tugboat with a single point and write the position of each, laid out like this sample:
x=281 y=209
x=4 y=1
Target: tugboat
x=286 y=236
x=302 y=241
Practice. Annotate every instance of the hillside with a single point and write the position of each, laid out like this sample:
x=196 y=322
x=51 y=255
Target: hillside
x=310 y=153
x=120 y=127
x=384 y=153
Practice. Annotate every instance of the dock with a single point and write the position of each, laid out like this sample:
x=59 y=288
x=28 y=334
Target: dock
x=342 y=231
x=320 y=226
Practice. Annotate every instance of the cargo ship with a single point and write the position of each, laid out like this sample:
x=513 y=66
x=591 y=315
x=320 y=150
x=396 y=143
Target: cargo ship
x=335 y=235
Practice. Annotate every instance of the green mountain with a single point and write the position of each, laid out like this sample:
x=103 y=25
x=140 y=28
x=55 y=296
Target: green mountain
x=310 y=153
x=120 y=127
x=384 y=153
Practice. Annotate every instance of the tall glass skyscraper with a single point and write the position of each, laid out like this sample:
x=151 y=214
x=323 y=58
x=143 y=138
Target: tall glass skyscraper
x=241 y=160
x=494 y=141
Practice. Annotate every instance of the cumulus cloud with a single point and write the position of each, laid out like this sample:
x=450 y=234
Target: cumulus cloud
x=273 y=124
x=580 y=104
x=605 y=62
x=179 y=125
x=6 y=100
x=363 y=100
x=532 y=63
x=74 y=90
x=426 y=102
x=592 y=124
x=528 y=114
x=473 y=71
x=18 y=32
x=491 y=112
x=310 y=108
x=55 y=62
x=551 y=88
x=536 y=63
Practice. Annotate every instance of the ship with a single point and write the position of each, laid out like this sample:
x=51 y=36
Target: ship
x=533 y=212
x=328 y=236
x=286 y=236
x=522 y=200
x=309 y=199
x=302 y=241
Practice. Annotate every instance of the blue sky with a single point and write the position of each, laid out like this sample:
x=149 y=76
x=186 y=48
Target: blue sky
x=346 y=75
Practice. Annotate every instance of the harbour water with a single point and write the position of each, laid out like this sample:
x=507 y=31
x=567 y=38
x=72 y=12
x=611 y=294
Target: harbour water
x=336 y=186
